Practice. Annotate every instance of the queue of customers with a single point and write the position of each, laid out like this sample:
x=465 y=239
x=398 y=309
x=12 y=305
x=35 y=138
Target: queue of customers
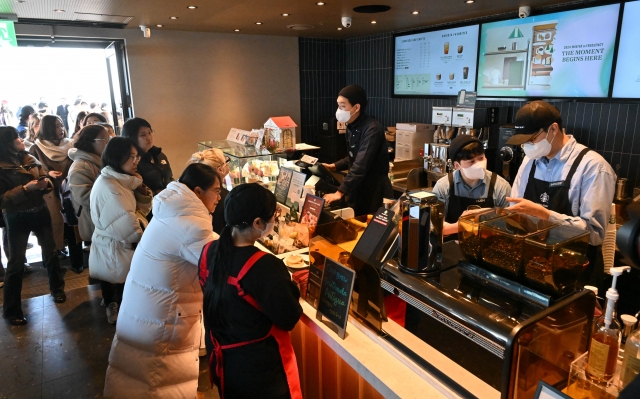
x=147 y=233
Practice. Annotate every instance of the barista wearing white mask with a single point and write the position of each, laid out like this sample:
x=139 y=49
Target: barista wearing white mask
x=367 y=181
x=473 y=185
x=561 y=180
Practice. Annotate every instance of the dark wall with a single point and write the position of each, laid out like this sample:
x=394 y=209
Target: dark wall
x=608 y=128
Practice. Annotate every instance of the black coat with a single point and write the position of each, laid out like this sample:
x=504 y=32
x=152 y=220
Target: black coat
x=367 y=181
x=218 y=214
x=155 y=170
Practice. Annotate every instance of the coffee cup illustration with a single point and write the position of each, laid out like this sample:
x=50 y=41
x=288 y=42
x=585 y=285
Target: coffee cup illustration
x=446 y=47
x=460 y=48
x=465 y=73
x=438 y=76
x=451 y=76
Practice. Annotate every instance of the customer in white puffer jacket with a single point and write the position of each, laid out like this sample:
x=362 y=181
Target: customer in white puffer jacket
x=155 y=351
x=119 y=204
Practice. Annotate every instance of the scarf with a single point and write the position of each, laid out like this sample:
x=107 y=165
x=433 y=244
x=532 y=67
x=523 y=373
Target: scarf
x=56 y=153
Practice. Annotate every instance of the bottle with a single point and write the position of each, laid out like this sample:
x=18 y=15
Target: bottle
x=391 y=172
x=597 y=311
x=631 y=361
x=605 y=340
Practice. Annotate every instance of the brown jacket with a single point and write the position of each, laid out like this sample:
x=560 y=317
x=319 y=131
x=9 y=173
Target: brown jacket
x=13 y=177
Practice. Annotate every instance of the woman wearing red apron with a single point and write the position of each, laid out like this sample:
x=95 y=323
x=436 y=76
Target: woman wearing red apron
x=250 y=304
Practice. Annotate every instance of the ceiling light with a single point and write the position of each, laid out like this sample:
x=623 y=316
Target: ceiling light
x=415 y=12
x=469 y=1
x=173 y=17
x=258 y=23
x=285 y=15
x=339 y=28
x=237 y=30
x=192 y=7
x=320 y=3
x=58 y=10
x=373 y=22
x=159 y=26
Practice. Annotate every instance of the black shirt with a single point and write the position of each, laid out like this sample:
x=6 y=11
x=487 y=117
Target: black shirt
x=256 y=370
x=155 y=169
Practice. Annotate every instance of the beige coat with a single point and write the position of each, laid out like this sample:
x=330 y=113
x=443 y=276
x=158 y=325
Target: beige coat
x=83 y=173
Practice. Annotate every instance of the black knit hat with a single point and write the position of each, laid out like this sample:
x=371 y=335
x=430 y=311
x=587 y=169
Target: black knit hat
x=247 y=202
x=355 y=94
x=459 y=143
x=529 y=119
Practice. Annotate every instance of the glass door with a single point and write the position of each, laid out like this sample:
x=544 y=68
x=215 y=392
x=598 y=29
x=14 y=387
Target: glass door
x=121 y=105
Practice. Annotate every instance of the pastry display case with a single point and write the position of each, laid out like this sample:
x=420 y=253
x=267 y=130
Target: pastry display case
x=553 y=259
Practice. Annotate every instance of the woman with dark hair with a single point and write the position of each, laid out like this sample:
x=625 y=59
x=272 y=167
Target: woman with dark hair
x=154 y=166
x=52 y=150
x=23 y=125
x=93 y=118
x=158 y=330
x=250 y=303
x=79 y=123
x=23 y=182
x=33 y=130
x=112 y=133
x=89 y=145
x=119 y=204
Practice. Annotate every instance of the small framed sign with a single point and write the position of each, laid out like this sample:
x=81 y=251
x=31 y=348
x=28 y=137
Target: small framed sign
x=334 y=300
x=546 y=391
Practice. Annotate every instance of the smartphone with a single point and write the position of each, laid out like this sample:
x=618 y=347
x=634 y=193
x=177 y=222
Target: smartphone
x=42 y=178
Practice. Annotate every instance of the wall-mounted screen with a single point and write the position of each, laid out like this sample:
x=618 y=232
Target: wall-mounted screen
x=564 y=54
x=436 y=63
x=626 y=83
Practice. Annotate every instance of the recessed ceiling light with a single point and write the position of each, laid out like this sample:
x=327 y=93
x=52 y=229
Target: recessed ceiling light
x=173 y=17
x=159 y=26
x=237 y=30
x=469 y=1
x=258 y=23
x=373 y=22
x=320 y=3
x=339 y=28
x=58 y=10
x=285 y=15
x=415 y=12
x=192 y=7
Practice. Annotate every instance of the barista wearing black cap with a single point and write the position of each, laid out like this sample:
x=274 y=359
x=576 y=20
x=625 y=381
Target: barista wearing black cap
x=473 y=185
x=367 y=181
x=561 y=180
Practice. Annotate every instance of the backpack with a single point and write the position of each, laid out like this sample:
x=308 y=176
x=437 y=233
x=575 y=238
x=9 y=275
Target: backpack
x=68 y=213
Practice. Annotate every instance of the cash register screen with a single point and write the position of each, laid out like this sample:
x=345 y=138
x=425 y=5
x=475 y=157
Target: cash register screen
x=441 y=62
x=563 y=54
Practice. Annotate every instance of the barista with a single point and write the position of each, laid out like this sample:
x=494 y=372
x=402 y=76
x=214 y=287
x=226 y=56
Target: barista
x=474 y=187
x=367 y=181
x=561 y=180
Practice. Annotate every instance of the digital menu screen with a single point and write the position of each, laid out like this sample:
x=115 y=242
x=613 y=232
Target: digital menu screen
x=626 y=83
x=440 y=62
x=564 y=54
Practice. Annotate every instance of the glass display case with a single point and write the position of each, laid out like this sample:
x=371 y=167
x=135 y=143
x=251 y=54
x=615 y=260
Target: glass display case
x=554 y=259
x=468 y=231
x=502 y=242
x=248 y=164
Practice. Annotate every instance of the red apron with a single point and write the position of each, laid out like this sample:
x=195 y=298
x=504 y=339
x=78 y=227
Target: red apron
x=281 y=336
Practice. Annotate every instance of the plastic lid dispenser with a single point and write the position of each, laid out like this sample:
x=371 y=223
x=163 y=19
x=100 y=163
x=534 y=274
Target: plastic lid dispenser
x=612 y=293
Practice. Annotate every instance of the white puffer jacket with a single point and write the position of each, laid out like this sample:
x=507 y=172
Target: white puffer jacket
x=117 y=225
x=155 y=351
x=83 y=173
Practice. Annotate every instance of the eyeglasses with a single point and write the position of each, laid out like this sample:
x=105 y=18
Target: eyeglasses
x=535 y=136
x=227 y=159
x=135 y=159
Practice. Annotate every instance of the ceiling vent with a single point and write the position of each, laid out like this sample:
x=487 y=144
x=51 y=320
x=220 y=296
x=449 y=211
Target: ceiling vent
x=372 y=9
x=103 y=18
x=300 y=27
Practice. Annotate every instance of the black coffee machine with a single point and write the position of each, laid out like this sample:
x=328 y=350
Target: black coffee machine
x=509 y=157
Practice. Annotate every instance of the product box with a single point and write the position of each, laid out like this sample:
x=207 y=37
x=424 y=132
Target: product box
x=279 y=134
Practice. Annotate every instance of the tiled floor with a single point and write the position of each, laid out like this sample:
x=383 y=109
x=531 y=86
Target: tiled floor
x=63 y=351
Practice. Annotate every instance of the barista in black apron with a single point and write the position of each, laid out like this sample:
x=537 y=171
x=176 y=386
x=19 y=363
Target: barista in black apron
x=539 y=128
x=458 y=205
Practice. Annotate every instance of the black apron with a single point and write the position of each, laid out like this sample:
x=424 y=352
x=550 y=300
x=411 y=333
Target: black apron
x=458 y=205
x=555 y=197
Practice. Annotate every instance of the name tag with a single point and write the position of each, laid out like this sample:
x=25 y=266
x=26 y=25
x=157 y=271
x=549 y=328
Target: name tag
x=481 y=200
x=556 y=184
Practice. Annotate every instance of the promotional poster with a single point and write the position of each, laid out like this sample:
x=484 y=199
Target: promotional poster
x=627 y=79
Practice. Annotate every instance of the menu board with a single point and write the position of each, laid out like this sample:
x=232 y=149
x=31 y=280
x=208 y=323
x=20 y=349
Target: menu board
x=335 y=294
x=627 y=80
x=439 y=62
x=564 y=54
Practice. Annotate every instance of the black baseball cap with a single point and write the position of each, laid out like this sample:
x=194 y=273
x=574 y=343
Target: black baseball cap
x=457 y=144
x=529 y=119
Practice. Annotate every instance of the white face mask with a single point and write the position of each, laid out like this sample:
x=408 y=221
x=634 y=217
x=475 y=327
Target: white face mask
x=538 y=150
x=343 y=116
x=268 y=230
x=475 y=171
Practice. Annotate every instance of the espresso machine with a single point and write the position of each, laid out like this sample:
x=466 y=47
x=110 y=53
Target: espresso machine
x=510 y=157
x=494 y=322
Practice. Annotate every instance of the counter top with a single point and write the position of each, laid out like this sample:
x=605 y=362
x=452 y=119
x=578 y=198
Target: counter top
x=388 y=370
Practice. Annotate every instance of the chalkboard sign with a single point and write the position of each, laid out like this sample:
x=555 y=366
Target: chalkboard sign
x=335 y=295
